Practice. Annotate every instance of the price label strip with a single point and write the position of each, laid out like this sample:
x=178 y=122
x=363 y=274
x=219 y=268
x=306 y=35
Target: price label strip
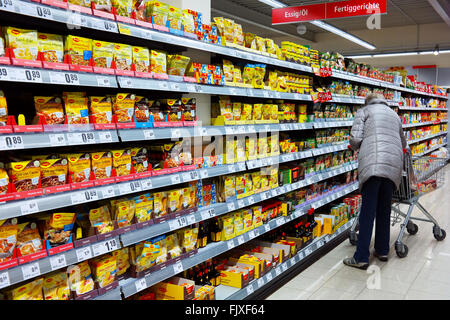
x=30 y=270
x=29 y=207
x=140 y=284
x=84 y=196
x=84 y=253
x=58 y=262
x=12 y=143
x=67 y=78
x=81 y=138
x=177 y=223
x=57 y=140
x=4 y=280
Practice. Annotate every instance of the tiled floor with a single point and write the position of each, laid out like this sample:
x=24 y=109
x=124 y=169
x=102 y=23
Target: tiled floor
x=423 y=275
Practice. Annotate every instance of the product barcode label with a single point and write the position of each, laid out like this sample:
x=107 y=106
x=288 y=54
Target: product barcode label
x=31 y=270
x=251 y=234
x=231 y=206
x=140 y=284
x=274 y=192
x=204 y=174
x=4 y=279
x=269 y=277
x=230 y=244
x=58 y=262
x=177 y=223
x=231 y=169
x=57 y=139
x=29 y=207
x=250 y=289
x=280 y=221
x=105 y=136
x=104 y=81
x=250 y=200
x=174 y=87
x=278 y=271
x=178 y=267
x=241 y=240
x=163 y=85
x=11 y=143
x=175 y=133
x=307 y=252
x=108 y=192
x=263 y=196
x=146 y=184
x=189 y=176
x=149 y=134
x=284 y=267
x=260 y=282
x=84 y=253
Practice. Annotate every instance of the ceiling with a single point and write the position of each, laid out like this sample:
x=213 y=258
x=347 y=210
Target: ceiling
x=409 y=20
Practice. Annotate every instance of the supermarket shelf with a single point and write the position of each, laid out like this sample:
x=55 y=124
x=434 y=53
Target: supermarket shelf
x=60 y=200
x=427 y=138
x=132 y=286
x=114 y=294
x=422 y=109
x=60 y=260
x=222 y=208
x=333 y=124
x=230 y=293
x=49 y=13
x=45 y=76
x=55 y=139
x=429 y=123
x=431 y=150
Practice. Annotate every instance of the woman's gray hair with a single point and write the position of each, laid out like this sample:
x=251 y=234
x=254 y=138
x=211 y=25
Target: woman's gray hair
x=373 y=96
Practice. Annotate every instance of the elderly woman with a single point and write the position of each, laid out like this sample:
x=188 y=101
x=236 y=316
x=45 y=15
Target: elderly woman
x=378 y=136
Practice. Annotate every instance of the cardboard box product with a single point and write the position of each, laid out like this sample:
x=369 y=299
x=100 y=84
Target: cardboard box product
x=175 y=288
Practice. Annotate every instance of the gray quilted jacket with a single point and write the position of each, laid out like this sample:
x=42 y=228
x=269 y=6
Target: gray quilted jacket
x=378 y=136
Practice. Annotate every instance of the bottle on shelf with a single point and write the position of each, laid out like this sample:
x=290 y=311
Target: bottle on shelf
x=215 y=231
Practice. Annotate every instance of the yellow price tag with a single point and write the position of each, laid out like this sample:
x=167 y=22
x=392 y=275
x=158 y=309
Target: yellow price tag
x=124 y=29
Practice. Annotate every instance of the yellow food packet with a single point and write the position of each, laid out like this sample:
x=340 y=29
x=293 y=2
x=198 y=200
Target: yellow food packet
x=124 y=107
x=56 y=286
x=79 y=50
x=79 y=167
x=177 y=65
x=22 y=42
x=141 y=59
x=100 y=219
x=139 y=159
x=50 y=108
x=8 y=239
x=123 y=56
x=124 y=213
x=122 y=260
x=174 y=201
x=122 y=162
x=158 y=62
x=175 y=18
x=25 y=175
x=80 y=278
x=160 y=204
x=104 y=269
x=77 y=109
x=144 y=209
x=28 y=239
x=29 y=291
x=51 y=46
x=188 y=22
x=3 y=110
x=101 y=164
x=101 y=109
x=53 y=172
x=123 y=7
x=83 y=3
x=159 y=12
x=103 y=53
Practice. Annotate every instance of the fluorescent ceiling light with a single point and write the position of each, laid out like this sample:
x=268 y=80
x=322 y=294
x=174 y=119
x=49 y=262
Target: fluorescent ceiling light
x=343 y=34
x=326 y=26
x=273 y=3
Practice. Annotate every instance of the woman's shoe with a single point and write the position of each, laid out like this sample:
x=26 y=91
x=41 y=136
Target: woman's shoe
x=383 y=258
x=351 y=262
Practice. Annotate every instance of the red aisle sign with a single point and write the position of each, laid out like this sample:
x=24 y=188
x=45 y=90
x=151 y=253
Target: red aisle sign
x=329 y=10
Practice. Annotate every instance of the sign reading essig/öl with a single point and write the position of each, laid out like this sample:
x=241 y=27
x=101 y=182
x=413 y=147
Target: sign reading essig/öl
x=329 y=10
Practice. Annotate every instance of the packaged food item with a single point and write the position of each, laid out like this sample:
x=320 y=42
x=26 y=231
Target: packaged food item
x=53 y=172
x=3 y=110
x=139 y=159
x=177 y=64
x=101 y=109
x=103 y=5
x=123 y=56
x=123 y=7
x=104 y=269
x=25 y=175
x=189 y=106
x=79 y=167
x=142 y=109
x=226 y=109
x=158 y=62
x=141 y=59
x=248 y=74
x=246 y=112
x=174 y=200
x=28 y=291
x=160 y=204
x=57 y=228
x=80 y=278
x=51 y=46
x=2 y=47
x=124 y=104
x=4 y=179
x=101 y=164
x=159 y=12
x=56 y=286
x=77 y=109
x=22 y=42
x=188 y=22
x=173 y=246
x=123 y=210
x=175 y=18
x=144 y=254
x=103 y=53
x=100 y=219
x=122 y=260
x=144 y=209
x=28 y=239
x=122 y=162
x=83 y=3
x=79 y=50
x=50 y=108
x=8 y=240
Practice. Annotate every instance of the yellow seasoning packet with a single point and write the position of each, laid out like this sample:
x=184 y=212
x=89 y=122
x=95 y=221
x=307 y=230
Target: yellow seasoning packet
x=100 y=219
x=79 y=166
x=123 y=56
x=158 y=62
x=22 y=42
x=53 y=172
x=124 y=107
x=141 y=59
x=80 y=278
x=102 y=164
x=122 y=162
x=144 y=209
x=29 y=291
x=122 y=260
x=51 y=46
x=103 y=53
x=124 y=213
x=104 y=269
x=101 y=109
x=50 y=108
x=56 y=286
x=77 y=109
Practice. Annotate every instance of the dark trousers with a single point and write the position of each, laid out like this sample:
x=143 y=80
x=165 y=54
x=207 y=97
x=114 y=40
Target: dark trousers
x=376 y=205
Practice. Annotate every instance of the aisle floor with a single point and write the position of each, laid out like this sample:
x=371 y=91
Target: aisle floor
x=422 y=275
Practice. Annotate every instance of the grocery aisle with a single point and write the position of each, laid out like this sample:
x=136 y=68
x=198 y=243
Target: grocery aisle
x=422 y=275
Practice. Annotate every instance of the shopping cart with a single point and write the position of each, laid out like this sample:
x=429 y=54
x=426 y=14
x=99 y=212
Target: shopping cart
x=420 y=176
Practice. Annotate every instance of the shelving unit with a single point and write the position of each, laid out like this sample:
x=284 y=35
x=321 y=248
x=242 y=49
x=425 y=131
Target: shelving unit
x=131 y=286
